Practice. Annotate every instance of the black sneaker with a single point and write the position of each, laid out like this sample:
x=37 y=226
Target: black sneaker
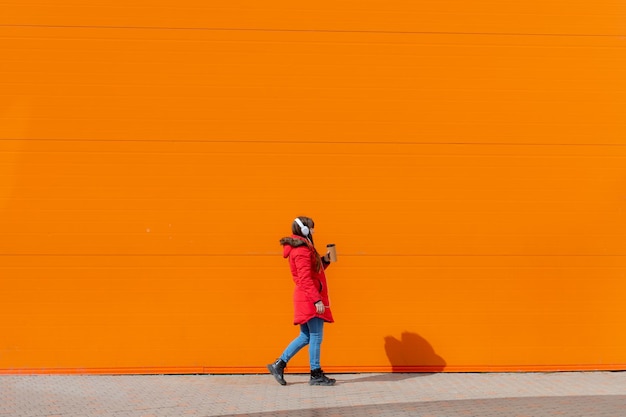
x=278 y=370
x=318 y=378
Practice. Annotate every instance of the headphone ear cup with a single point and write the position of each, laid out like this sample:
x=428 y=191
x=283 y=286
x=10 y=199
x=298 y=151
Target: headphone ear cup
x=303 y=228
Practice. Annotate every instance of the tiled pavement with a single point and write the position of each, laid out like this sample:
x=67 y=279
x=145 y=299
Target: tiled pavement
x=585 y=394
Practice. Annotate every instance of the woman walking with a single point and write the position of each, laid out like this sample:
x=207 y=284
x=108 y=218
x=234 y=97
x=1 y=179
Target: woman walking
x=310 y=298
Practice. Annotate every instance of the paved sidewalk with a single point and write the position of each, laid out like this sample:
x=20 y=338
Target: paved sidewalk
x=585 y=394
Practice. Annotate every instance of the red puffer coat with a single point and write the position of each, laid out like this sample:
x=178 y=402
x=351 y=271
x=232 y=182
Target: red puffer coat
x=309 y=278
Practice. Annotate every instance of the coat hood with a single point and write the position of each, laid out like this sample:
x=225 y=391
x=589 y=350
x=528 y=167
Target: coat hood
x=292 y=242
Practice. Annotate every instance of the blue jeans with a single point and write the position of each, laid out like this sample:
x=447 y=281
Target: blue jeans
x=311 y=333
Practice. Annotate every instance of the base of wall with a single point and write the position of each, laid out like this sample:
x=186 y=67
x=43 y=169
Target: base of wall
x=304 y=370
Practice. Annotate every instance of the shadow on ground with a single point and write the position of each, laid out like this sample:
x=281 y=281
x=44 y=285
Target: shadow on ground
x=588 y=406
x=395 y=377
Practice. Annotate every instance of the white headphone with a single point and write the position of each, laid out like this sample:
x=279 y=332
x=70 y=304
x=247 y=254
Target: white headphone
x=304 y=229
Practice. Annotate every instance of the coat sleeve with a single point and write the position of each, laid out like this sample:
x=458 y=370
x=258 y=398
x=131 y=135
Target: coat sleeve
x=325 y=264
x=304 y=275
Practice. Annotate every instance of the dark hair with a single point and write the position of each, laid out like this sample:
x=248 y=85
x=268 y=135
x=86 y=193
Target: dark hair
x=308 y=222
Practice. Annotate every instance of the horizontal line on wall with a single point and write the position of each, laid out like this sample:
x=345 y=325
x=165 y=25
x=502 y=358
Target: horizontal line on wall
x=384 y=32
x=272 y=255
x=285 y=142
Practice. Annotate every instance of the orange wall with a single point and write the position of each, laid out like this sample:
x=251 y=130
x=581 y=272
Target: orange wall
x=467 y=158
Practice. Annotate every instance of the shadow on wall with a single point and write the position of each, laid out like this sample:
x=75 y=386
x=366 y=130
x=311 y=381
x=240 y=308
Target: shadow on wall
x=412 y=353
